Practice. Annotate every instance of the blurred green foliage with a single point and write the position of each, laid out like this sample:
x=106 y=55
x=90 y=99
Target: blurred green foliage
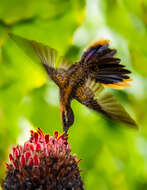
x=114 y=157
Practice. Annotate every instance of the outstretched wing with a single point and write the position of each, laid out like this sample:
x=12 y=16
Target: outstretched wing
x=54 y=64
x=107 y=104
x=104 y=67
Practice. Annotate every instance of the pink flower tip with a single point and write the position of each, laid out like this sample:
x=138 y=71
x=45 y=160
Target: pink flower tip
x=38 y=143
x=46 y=160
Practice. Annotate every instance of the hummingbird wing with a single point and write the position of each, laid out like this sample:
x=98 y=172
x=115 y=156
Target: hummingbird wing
x=54 y=64
x=104 y=68
x=90 y=95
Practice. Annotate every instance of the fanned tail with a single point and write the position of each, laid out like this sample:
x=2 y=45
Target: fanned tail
x=104 y=67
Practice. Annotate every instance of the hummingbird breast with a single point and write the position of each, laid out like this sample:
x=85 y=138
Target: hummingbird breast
x=75 y=77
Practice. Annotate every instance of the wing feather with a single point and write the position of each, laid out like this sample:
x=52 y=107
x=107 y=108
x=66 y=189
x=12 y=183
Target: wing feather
x=49 y=57
x=90 y=95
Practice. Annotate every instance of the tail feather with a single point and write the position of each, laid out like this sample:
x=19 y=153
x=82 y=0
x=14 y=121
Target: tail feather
x=104 y=67
x=108 y=53
x=108 y=60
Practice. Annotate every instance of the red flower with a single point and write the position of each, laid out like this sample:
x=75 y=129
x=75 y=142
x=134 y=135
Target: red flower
x=43 y=163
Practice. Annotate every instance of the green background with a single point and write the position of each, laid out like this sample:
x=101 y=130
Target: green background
x=114 y=157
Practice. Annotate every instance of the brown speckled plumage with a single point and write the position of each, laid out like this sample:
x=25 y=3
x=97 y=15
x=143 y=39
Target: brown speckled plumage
x=82 y=80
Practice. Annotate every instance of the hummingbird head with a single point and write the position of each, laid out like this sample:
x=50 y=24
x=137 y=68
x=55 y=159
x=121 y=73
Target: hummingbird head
x=67 y=118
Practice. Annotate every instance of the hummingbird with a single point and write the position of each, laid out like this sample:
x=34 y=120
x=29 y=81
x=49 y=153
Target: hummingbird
x=84 y=80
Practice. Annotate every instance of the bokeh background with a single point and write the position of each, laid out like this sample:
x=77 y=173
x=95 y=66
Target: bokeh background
x=114 y=156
